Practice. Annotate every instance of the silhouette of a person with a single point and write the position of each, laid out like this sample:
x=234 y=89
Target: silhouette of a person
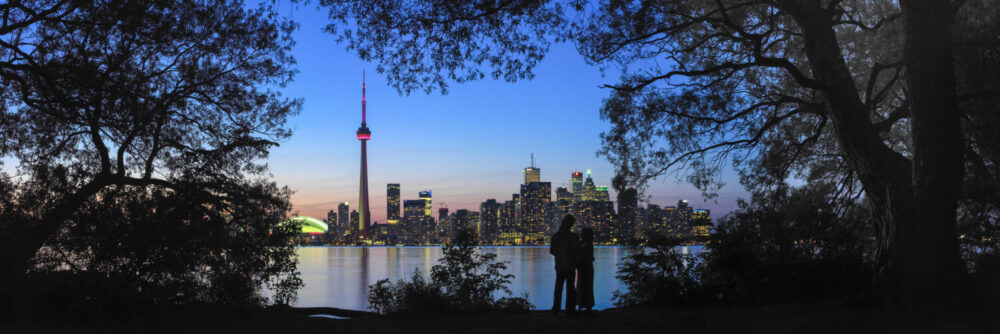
x=585 y=271
x=565 y=246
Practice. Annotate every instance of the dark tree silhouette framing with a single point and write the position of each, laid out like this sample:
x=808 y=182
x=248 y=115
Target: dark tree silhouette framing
x=861 y=92
x=162 y=97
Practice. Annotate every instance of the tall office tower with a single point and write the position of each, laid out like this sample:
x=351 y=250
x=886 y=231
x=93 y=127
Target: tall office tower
x=426 y=196
x=628 y=214
x=413 y=220
x=599 y=215
x=489 y=221
x=331 y=222
x=531 y=173
x=443 y=228
x=534 y=197
x=676 y=221
x=562 y=193
x=465 y=219
x=701 y=223
x=602 y=193
x=507 y=233
x=364 y=134
x=355 y=227
x=577 y=182
x=684 y=213
x=343 y=217
x=442 y=214
x=589 y=192
x=554 y=213
x=392 y=203
x=656 y=221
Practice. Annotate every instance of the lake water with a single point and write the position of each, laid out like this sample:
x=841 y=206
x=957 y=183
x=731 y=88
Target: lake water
x=339 y=276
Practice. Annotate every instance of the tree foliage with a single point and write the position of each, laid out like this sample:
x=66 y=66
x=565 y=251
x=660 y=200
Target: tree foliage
x=138 y=130
x=464 y=280
x=427 y=44
x=655 y=274
x=885 y=99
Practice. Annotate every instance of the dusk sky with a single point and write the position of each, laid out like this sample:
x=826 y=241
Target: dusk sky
x=467 y=146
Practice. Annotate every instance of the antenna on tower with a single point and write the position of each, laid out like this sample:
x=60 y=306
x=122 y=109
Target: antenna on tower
x=532 y=159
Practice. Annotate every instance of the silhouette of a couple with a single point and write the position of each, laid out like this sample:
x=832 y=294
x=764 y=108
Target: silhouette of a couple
x=574 y=267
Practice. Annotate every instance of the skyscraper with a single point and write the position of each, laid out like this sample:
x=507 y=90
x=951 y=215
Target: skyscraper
x=426 y=196
x=414 y=220
x=535 y=195
x=343 y=217
x=331 y=222
x=701 y=223
x=577 y=182
x=531 y=173
x=465 y=219
x=392 y=203
x=364 y=134
x=442 y=213
x=489 y=220
x=562 y=193
x=355 y=231
x=628 y=204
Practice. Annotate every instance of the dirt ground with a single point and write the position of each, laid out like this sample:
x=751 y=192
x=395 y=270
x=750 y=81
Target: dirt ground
x=739 y=319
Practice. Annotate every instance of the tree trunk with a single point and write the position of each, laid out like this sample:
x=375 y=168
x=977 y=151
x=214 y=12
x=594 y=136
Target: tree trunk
x=914 y=202
x=928 y=246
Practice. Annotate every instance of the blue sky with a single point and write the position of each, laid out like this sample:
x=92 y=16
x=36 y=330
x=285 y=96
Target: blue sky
x=467 y=146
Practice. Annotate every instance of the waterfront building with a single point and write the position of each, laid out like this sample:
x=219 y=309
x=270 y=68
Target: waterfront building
x=444 y=226
x=354 y=226
x=343 y=219
x=442 y=214
x=628 y=203
x=465 y=219
x=599 y=215
x=392 y=202
x=414 y=221
x=576 y=180
x=563 y=193
x=701 y=223
x=489 y=221
x=532 y=174
x=331 y=222
x=509 y=233
x=534 y=198
x=426 y=196
x=554 y=213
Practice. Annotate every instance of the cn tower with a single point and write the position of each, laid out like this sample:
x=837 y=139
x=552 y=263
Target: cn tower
x=364 y=214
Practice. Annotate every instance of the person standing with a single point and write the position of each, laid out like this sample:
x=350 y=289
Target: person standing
x=565 y=246
x=585 y=271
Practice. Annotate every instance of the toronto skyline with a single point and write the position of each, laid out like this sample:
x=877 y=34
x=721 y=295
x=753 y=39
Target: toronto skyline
x=467 y=146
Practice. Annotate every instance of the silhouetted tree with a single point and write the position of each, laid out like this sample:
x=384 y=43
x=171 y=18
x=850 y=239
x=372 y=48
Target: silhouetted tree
x=792 y=243
x=464 y=280
x=169 y=101
x=864 y=93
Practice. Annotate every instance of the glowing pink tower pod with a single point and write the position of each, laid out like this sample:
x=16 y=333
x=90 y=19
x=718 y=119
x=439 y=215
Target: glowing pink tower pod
x=364 y=214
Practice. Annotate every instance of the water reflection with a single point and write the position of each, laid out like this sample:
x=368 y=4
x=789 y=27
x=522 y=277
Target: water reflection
x=340 y=276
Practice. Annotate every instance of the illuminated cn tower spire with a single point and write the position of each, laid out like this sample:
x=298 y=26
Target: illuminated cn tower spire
x=364 y=214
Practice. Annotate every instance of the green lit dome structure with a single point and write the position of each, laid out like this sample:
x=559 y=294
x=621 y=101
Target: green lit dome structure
x=309 y=225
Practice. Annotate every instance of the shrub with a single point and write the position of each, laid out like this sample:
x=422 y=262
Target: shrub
x=656 y=275
x=798 y=244
x=792 y=244
x=157 y=248
x=463 y=281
